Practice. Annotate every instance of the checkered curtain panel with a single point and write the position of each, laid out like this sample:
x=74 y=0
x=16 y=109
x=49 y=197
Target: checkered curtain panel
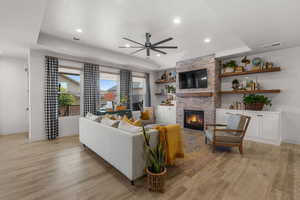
x=148 y=91
x=126 y=86
x=91 y=97
x=51 y=97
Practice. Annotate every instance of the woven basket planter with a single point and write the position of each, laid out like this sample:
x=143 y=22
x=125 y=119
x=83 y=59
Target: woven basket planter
x=254 y=106
x=156 y=182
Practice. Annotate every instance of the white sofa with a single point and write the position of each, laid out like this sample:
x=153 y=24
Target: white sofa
x=123 y=150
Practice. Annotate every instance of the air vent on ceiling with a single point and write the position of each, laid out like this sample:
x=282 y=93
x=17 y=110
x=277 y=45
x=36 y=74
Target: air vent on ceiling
x=275 y=44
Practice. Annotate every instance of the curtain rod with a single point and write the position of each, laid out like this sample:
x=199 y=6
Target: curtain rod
x=103 y=71
x=79 y=61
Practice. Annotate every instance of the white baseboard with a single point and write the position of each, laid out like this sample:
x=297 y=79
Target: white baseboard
x=291 y=141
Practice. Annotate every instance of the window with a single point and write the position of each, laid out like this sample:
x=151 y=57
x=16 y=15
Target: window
x=69 y=92
x=138 y=92
x=109 y=90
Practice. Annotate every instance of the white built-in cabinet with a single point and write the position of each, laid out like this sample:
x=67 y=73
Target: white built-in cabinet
x=166 y=114
x=264 y=127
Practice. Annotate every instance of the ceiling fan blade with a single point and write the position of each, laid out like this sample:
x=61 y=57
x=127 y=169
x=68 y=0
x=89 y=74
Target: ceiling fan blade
x=137 y=51
x=124 y=47
x=148 y=51
x=163 y=41
x=132 y=41
x=159 y=51
x=165 y=47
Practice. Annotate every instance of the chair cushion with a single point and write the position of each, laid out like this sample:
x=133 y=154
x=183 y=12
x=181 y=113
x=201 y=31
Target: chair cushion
x=234 y=122
x=222 y=137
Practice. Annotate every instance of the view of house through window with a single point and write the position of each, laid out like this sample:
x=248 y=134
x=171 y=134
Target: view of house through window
x=109 y=90
x=69 y=92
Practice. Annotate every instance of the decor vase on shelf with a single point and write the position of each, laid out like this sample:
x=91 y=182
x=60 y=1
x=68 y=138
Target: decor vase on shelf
x=256 y=102
x=229 y=66
x=156 y=169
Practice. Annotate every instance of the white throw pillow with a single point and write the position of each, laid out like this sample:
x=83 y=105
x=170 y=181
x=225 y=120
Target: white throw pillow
x=110 y=122
x=129 y=128
x=93 y=117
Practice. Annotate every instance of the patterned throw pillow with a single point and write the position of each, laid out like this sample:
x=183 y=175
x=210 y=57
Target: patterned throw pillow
x=132 y=121
x=93 y=117
x=129 y=128
x=110 y=122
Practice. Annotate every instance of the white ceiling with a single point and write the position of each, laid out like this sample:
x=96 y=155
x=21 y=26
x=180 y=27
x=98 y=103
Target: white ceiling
x=233 y=25
x=20 y=24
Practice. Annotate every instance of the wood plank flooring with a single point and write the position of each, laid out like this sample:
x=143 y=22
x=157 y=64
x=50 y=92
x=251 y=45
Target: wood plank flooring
x=63 y=169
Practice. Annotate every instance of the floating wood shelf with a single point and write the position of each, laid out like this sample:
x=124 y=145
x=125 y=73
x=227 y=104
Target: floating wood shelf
x=198 y=94
x=164 y=81
x=159 y=94
x=250 y=91
x=228 y=74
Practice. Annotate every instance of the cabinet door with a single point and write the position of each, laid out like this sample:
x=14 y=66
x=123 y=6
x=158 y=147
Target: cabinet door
x=270 y=127
x=254 y=126
x=159 y=114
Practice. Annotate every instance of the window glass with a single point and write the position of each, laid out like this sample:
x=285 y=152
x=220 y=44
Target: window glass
x=69 y=93
x=138 y=92
x=109 y=90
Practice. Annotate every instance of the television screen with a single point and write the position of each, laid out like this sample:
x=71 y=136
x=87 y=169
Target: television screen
x=193 y=79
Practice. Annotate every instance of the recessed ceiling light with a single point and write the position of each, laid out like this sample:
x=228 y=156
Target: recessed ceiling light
x=177 y=20
x=158 y=55
x=207 y=40
x=79 y=30
x=127 y=45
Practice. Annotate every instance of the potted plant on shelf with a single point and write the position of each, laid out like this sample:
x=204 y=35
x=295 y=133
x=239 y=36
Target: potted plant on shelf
x=229 y=66
x=256 y=102
x=155 y=168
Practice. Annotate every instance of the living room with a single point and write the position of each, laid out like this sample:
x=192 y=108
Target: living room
x=104 y=100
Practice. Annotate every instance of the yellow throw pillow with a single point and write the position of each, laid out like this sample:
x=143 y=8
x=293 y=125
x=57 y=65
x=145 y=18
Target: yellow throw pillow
x=134 y=123
x=137 y=123
x=145 y=115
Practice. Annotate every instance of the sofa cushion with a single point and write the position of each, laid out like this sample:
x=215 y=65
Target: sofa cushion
x=110 y=122
x=123 y=125
x=93 y=117
x=145 y=115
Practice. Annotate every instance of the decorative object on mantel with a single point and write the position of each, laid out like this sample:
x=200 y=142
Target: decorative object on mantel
x=271 y=69
x=156 y=169
x=257 y=63
x=170 y=89
x=235 y=84
x=246 y=62
x=256 y=102
x=229 y=66
x=269 y=65
x=250 y=91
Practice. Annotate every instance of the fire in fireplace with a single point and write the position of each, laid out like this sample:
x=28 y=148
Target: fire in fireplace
x=194 y=119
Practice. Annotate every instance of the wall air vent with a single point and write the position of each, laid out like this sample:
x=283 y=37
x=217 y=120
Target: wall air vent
x=275 y=44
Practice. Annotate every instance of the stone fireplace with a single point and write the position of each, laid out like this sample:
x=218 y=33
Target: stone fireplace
x=194 y=119
x=200 y=100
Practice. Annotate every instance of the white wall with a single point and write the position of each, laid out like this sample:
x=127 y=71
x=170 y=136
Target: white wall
x=288 y=80
x=67 y=125
x=13 y=96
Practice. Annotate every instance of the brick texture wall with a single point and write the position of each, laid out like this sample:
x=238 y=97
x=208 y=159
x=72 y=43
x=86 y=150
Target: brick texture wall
x=207 y=104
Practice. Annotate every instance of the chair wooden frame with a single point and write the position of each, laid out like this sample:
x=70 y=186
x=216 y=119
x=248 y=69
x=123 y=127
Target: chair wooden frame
x=241 y=135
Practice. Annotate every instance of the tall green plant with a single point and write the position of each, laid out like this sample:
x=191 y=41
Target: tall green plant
x=155 y=156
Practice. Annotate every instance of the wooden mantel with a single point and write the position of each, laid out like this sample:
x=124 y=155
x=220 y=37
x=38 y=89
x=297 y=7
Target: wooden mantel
x=196 y=94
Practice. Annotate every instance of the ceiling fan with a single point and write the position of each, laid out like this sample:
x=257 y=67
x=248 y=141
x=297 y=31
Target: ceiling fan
x=149 y=46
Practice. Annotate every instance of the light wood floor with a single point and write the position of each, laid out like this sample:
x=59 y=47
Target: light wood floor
x=62 y=169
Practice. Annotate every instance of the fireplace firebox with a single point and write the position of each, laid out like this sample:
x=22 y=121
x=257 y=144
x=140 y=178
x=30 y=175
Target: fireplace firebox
x=194 y=119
